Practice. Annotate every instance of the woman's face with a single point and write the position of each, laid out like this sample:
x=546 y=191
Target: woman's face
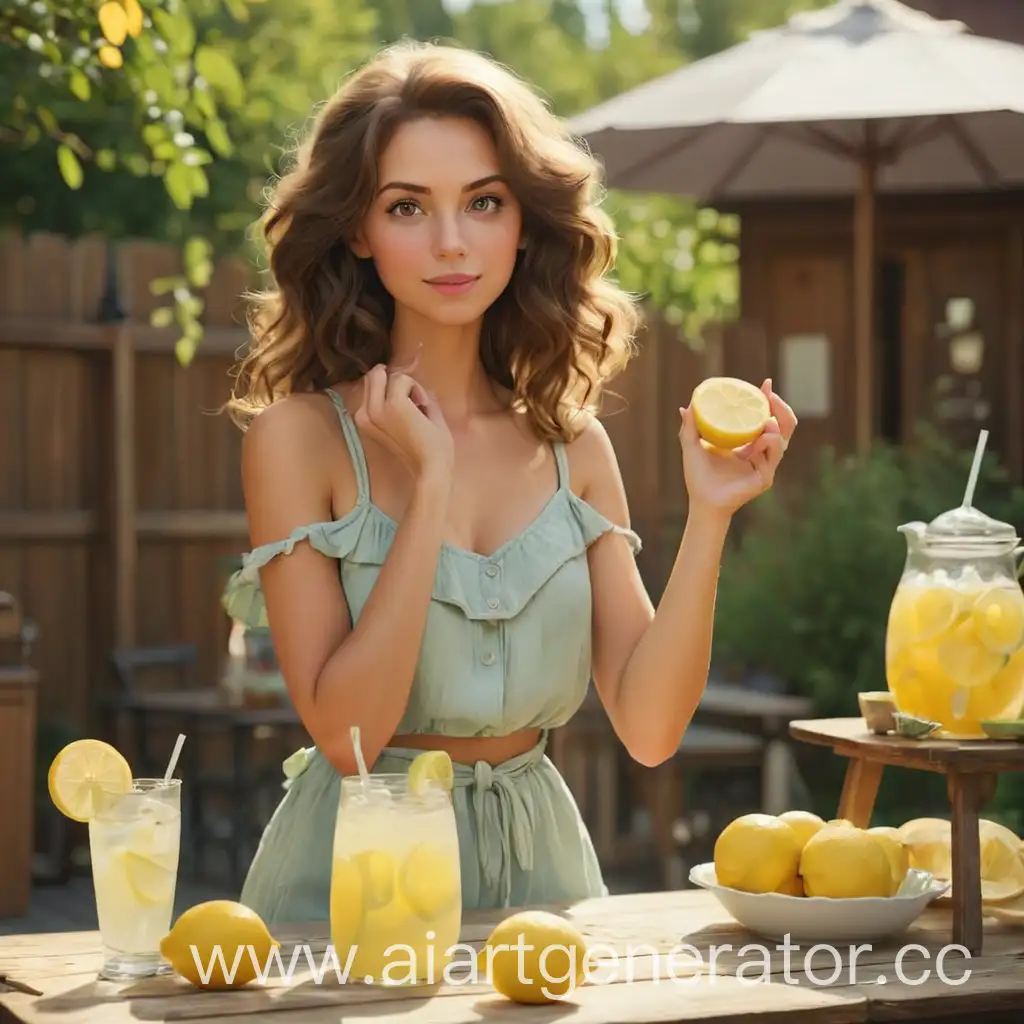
x=444 y=227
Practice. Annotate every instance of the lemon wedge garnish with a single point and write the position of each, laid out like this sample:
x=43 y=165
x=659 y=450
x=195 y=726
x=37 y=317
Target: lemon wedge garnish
x=429 y=768
x=86 y=776
x=729 y=412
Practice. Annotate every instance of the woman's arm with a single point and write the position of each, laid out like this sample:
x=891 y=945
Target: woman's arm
x=650 y=667
x=337 y=675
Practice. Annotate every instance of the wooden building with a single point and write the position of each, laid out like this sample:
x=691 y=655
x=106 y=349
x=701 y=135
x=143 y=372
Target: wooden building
x=948 y=309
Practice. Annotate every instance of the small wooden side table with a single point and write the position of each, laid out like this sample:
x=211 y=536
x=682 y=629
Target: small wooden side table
x=971 y=767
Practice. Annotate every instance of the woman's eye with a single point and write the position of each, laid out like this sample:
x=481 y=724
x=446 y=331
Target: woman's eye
x=485 y=203
x=404 y=207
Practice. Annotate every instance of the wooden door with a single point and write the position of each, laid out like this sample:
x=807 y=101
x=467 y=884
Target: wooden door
x=809 y=347
x=957 y=358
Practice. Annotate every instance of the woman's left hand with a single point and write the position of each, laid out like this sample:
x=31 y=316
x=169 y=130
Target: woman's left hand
x=724 y=481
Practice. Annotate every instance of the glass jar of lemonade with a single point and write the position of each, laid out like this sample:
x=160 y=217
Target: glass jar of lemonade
x=396 y=888
x=954 y=645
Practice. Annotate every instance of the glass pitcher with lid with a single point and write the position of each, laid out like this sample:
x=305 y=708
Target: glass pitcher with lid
x=954 y=645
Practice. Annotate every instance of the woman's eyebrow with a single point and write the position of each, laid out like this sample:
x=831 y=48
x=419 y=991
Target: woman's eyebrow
x=408 y=186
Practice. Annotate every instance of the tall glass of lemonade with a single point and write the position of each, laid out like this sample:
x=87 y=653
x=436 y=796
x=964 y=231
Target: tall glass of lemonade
x=396 y=889
x=133 y=844
x=134 y=837
x=954 y=650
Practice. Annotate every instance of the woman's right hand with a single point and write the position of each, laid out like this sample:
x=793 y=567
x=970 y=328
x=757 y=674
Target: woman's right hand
x=398 y=413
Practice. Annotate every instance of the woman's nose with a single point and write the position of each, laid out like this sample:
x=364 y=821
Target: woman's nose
x=449 y=241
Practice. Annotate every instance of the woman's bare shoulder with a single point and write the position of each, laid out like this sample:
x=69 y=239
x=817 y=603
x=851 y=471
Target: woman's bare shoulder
x=594 y=470
x=590 y=453
x=290 y=421
x=290 y=454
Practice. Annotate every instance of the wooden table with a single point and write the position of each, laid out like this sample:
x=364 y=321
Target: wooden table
x=971 y=767
x=680 y=957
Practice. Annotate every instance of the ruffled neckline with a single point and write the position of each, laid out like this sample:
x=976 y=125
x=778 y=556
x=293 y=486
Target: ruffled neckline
x=563 y=529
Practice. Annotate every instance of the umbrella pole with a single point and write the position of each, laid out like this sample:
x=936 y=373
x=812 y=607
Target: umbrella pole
x=864 y=302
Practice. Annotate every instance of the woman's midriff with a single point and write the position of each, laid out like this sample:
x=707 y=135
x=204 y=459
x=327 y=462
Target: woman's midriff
x=470 y=749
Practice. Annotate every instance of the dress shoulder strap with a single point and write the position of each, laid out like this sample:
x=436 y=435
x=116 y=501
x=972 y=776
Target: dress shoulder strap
x=562 y=461
x=355 y=446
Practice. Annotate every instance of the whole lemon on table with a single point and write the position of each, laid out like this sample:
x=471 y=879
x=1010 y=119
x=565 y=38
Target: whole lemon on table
x=756 y=853
x=845 y=863
x=553 y=954
x=222 y=923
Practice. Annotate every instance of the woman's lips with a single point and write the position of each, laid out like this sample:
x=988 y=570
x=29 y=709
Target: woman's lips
x=453 y=284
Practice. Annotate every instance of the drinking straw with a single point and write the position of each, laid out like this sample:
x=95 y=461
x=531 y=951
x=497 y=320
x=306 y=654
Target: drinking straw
x=975 y=467
x=364 y=775
x=174 y=757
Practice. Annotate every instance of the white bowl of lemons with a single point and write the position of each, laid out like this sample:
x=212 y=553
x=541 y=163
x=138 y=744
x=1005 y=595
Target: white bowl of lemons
x=796 y=876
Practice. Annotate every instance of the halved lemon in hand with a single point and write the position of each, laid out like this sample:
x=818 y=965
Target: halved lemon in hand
x=86 y=776
x=433 y=766
x=729 y=412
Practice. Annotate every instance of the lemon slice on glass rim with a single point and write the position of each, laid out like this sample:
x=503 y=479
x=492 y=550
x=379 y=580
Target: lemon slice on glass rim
x=430 y=767
x=87 y=776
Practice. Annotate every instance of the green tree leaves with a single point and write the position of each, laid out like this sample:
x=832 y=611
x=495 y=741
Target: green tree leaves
x=70 y=166
x=165 y=118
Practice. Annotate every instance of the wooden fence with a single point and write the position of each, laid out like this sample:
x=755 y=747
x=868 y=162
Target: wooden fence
x=120 y=496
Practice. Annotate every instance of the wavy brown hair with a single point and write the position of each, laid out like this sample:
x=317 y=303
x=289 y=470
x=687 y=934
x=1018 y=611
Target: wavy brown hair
x=555 y=336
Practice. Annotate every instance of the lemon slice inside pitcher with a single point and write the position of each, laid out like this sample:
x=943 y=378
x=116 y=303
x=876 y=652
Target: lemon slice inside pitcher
x=430 y=768
x=966 y=660
x=934 y=611
x=998 y=617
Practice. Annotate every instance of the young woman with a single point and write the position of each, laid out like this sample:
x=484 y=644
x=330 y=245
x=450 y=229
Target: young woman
x=442 y=546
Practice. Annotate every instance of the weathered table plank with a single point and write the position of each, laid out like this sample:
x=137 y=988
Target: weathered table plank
x=680 y=958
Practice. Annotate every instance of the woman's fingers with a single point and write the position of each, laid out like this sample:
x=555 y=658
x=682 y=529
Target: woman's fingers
x=780 y=410
x=376 y=383
x=765 y=454
x=398 y=387
x=371 y=410
x=402 y=387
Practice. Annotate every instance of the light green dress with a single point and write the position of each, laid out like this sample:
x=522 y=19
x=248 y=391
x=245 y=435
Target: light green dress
x=507 y=646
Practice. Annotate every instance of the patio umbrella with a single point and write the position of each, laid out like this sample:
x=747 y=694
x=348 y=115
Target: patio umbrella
x=862 y=97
